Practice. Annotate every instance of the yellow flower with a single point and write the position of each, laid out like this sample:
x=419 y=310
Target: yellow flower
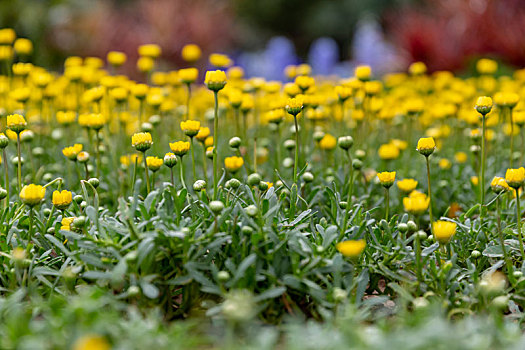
x=483 y=105
x=188 y=75
x=190 y=127
x=400 y=144
x=191 y=53
x=351 y=248
x=32 y=194
x=66 y=223
x=233 y=164
x=474 y=180
x=519 y=118
x=486 y=66
x=141 y=141
x=23 y=46
x=294 y=105
x=203 y=133
x=208 y=142
x=62 y=200
x=83 y=157
x=328 y=142
x=149 y=50
x=215 y=80
x=506 y=99
x=180 y=148
x=145 y=64
x=460 y=157
x=72 y=152
x=139 y=91
x=387 y=178
x=426 y=146
x=128 y=159
x=417 y=68
x=235 y=73
x=235 y=97
x=219 y=60
x=388 y=151
x=154 y=163
x=343 y=92
x=304 y=82
x=116 y=58
x=443 y=230
x=515 y=177
x=7 y=36
x=16 y=122
x=91 y=342
x=407 y=185
x=498 y=185
x=444 y=164
x=363 y=73
x=416 y=203
x=66 y=117
x=94 y=121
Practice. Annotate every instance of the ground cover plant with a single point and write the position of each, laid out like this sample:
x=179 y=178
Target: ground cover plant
x=209 y=210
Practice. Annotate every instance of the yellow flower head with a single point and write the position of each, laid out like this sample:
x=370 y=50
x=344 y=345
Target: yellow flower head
x=154 y=163
x=215 y=80
x=191 y=53
x=233 y=164
x=417 y=68
x=16 y=122
x=294 y=105
x=506 y=99
x=93 y=121
x=72 y=152
x=203 y=133
x=443 y=230
x=116 y=58
x=208 y=142
x=66 y=223
x=474 y=180
x=388 y=151
x=351 y=248
x=235 y=97
x=519 y=118
x=426 y=146
x=7 y=36
x=141 y=141
x=486 y=66
x=445 y=164
x=515 y=177
x=145 y=64
x=91 y=342
x=407 y=185
x=188 y=75
x=483 y=105
x=219 y=60
x=498 y=185
x=149 y=50
x=180 y=148
x=23 y=46
x=328 y=142
x=343 y=92
x=363 y=73
x=387 y=178
x=66 y=117
x=304 y=82
x=190 y=127
x=170 y=160
x=32 y=194
x=62 y=200
x=460 y=157
x=416 y=203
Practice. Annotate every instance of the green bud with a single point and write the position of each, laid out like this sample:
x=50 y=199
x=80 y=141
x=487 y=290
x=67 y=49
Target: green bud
x=216 y=206
x=254 y=179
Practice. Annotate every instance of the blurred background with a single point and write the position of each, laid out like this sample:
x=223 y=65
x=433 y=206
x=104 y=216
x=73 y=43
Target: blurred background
x=265 y=36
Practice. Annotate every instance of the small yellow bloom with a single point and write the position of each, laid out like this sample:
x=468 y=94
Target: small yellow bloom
x=145 y=64
x=483 y=105
x=351 y=248
x=294 y=105
x=219 y=60
x=416 y=203
x=141 y=141
x=23 y=46
x=180 y=148
x=328 y=142
x=515 y=177
x=72 y=152
x=32 y=194
x=62 y=200
x=188 y=75
x=417 y=68
x=91 y=342
x=140 y=91
x=154 y=163
x=498 y=185
x=363 y=73
x=388 y=151
x=460 y=157
x=443 y=230
x=190 y=127
x=203 y=133
x=486 y=66
x=426 y=146
x=233 y=164
x=215 y=80
x=208 y=142
x=474 y=180
x=343 y=92
x=16 y=122
x=66 y=223
x=506 y=99
x=387 y=178
x=304 y=82
x=407 y=185
x=191 y=53
x=7 y=36
x=66 y=117
x=116 y=58
x=149 y=50
x=444 y=164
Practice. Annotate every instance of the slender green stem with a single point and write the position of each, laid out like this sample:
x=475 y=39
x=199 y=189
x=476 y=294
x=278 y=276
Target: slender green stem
x=419 y=268
x=6 y=169
x=349 y=196
x=518 y=223
x=204 y=163
x=502 y=239
x=172 y=178
x=31 y=222
x=482 y=174
x=146 y=173
x=296 y=160
x=387 y=200
x=19 y=154
x=215 y=145
x=182 y=173
x=193 y=159
x=97 y=152
x=135 y=165
x=429 y=194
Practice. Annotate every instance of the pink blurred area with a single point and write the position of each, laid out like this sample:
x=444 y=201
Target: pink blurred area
x=169 y=23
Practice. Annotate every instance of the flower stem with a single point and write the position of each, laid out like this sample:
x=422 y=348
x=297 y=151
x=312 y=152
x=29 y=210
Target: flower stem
x=482 y=175
x=387 y=200
x=188 y=87
x=349 y=196
x=518 y=223
x=19 y=174
x=134 y=176
x=502 y=240
x=182 y=173
x=429 y=194
x=146 y=173
x=193 y=159
x=6 y=169
x=296 y=161
x=215 y=145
